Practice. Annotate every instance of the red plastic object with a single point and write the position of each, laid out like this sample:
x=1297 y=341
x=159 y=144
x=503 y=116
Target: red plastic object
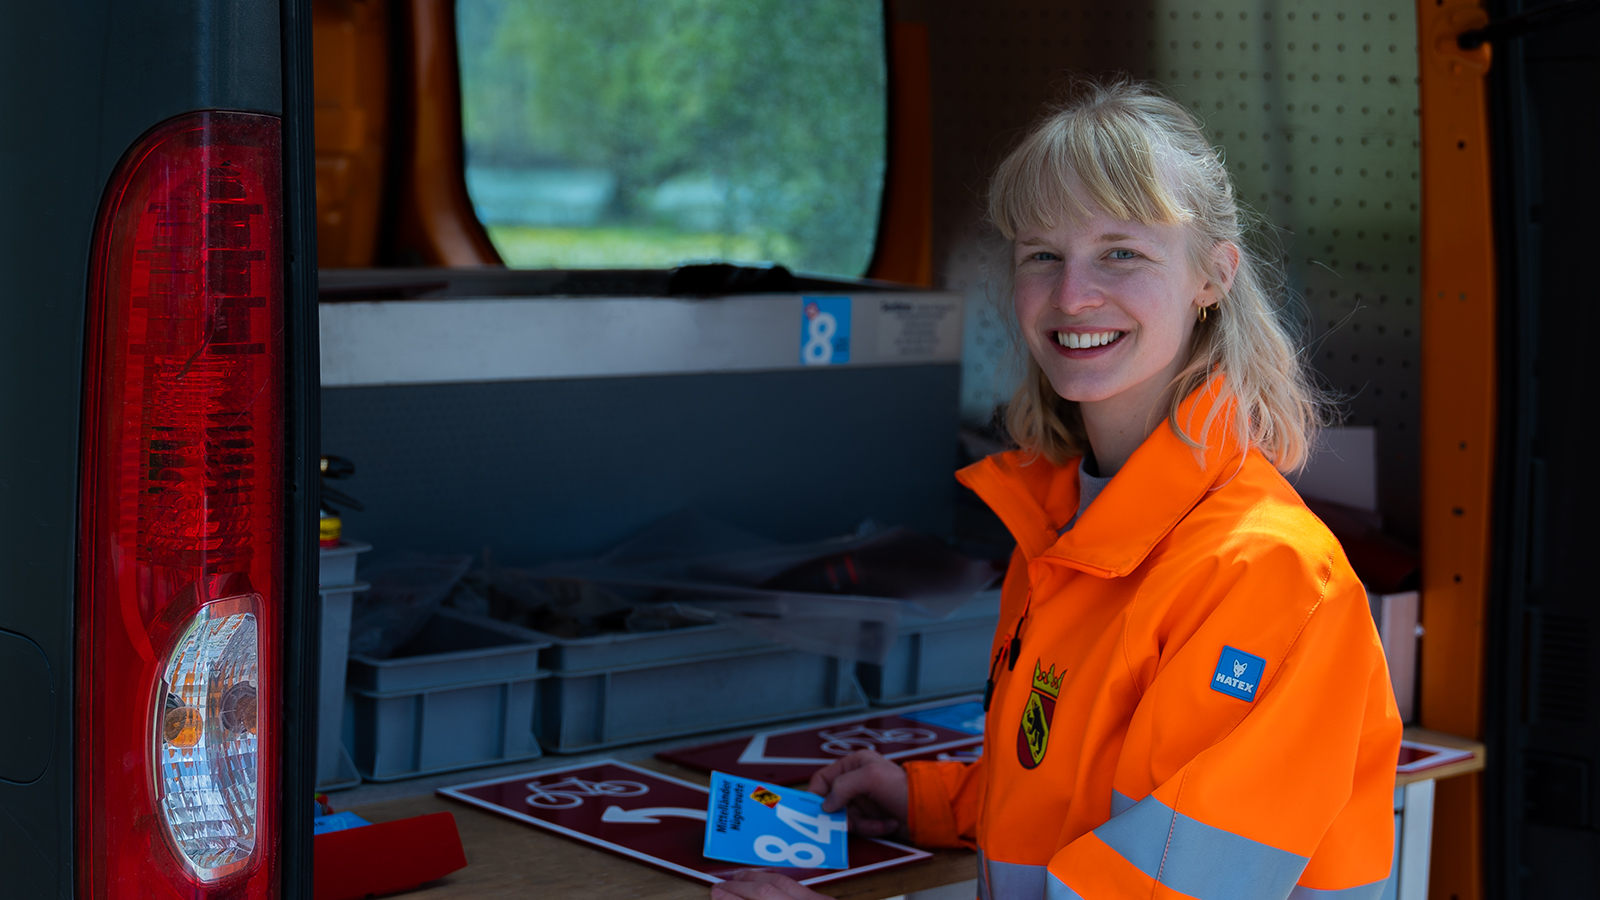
x=182 y=498
x=386 y=857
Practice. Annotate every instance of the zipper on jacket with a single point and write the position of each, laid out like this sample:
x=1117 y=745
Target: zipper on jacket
x=988 y=686
x=1009 y=652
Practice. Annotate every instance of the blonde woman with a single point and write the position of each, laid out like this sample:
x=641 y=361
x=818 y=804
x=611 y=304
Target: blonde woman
x=1188 y=697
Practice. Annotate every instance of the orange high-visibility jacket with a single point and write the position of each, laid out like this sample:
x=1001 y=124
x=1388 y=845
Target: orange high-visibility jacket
x=1199 y=705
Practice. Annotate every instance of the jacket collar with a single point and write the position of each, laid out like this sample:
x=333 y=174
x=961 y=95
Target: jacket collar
x=1160 y=483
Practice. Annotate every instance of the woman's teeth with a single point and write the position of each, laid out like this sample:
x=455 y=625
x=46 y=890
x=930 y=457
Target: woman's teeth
x=1076 y=341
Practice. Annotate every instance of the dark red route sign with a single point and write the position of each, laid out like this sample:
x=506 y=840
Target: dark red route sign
x=949 y=728
x=652 y=818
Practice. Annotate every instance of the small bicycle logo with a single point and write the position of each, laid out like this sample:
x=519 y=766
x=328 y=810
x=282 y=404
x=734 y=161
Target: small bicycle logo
x=820 y=329
x=569 y=792
x=846 y=741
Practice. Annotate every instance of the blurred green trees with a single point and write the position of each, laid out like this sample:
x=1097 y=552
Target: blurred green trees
x=761 y=120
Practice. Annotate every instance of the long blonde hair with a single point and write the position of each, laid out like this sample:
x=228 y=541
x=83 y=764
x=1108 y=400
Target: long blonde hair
x=1141 y=157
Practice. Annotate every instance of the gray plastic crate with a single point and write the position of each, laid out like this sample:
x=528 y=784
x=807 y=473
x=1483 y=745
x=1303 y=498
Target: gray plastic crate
x=335 y=769
x=617 y=689
x=935 y=658
x=462 y=693
x=336 y=566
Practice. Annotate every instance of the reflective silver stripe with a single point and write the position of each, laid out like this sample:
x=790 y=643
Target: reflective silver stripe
x=1364 y=892
x=1010 y=881
x=1197 y=859
x=1056 y=889
x=1120 y=803
x=1140 y=834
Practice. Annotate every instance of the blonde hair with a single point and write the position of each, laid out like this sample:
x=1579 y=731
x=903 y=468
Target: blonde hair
x=1141 y=157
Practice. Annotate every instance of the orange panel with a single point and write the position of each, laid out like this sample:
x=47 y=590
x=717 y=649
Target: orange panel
x=437 y=225
x=1458 y=416
x=905 y=230
x=349 y=40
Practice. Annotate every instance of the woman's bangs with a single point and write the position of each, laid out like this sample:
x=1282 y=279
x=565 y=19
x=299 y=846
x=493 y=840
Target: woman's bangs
x=1031 y=191
x=1115 y=169
x=1126 y=173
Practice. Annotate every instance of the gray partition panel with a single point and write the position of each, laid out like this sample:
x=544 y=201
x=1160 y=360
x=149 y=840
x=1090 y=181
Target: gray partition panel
x=539 y=470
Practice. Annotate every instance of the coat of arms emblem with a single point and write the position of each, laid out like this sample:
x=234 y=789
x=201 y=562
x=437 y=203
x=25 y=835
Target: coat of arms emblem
x=1033 y=736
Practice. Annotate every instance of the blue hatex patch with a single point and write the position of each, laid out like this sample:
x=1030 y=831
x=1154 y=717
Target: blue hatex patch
x=1238 y=674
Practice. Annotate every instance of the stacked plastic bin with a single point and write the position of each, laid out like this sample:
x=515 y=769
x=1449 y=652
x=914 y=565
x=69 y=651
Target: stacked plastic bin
x=615 y=689
x=462 y=693
x=935 y=658
x=337 y=587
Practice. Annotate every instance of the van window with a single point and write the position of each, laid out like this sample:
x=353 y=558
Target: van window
x=619 y=134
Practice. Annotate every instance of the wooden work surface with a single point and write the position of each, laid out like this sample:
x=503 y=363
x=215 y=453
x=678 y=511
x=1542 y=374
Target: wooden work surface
x=506 y=858
x=1440 y=739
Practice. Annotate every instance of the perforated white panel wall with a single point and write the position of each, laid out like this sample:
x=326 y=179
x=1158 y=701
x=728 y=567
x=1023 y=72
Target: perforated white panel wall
x=1315 y=108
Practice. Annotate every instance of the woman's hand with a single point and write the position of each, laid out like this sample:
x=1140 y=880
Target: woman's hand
x=876 y=794
x=873 y=788
x=757 y=884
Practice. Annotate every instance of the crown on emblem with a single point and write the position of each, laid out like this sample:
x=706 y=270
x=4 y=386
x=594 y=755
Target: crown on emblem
x=1047 y=682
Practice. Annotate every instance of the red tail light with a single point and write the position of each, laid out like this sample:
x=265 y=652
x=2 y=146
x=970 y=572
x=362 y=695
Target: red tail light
x=181 y=558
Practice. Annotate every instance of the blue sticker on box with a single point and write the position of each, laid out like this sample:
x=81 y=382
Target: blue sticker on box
x=1238 y=674
x=339 y=821
x=824 y=331
x=966 y=717
x=760 y=824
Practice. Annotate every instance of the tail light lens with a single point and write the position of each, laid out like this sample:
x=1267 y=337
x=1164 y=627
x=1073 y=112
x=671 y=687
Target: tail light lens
x=181 y=561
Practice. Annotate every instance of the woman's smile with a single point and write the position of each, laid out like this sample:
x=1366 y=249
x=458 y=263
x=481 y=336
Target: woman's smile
x=1079 y=344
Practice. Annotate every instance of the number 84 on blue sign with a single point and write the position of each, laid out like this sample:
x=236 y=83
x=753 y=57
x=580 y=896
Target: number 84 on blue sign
x=763 y=825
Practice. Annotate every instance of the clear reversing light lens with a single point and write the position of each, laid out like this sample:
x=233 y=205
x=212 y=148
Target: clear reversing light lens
x=205 y=740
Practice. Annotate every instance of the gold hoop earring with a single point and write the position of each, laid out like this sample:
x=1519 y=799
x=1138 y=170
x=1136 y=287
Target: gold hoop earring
x=1205 y=309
